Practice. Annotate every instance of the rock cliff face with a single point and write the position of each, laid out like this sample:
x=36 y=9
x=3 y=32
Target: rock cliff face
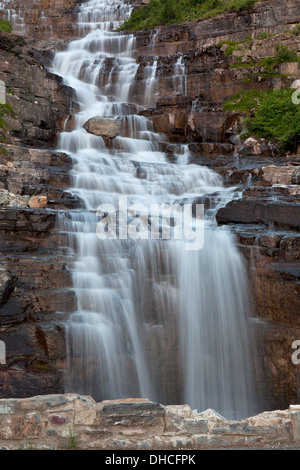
x=34 y=280
x=32 y=182
x=45 y=22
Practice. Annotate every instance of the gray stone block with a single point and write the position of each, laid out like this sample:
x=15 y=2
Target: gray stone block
x=196 y=426
x=133 y=414
x=294 y=411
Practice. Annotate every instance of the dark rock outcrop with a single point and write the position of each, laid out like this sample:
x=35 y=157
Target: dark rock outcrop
x=282 y=214
x=35 y=282
x=38 y=99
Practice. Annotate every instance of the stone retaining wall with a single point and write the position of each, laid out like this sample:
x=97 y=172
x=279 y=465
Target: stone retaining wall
x=71 y=421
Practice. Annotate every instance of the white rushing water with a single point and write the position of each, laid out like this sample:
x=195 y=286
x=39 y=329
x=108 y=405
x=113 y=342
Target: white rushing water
x=154 y=319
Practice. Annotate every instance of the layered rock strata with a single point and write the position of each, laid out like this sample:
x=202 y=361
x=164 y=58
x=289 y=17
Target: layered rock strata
x=45 y=22
x=74 y=422
x=34 y=179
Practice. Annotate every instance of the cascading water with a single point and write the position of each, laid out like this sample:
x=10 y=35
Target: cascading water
x=180 y=77
x=153 y=319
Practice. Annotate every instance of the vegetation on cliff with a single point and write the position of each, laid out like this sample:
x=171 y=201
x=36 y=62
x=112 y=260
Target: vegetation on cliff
x=282 y=52
x=165 y=12
x=5 y=26
x=263 y=68
x=270 y=114
x=5 y=110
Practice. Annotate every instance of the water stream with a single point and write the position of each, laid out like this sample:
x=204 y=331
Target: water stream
x=154 y=319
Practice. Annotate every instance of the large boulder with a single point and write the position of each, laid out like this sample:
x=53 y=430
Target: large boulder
x=273 y=174
x=105 y=127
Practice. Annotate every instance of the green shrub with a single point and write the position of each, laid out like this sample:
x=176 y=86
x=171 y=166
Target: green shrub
x=264 y=35
x=5 y=110
x=270 y=64
x=269 y=68
x=5 y=26
x=278 y=118
x=296 y=30
x=244 y=101
x=168 y=13
x=285 y=54
x=164 y=12
x=270 y=114
x=231 y=46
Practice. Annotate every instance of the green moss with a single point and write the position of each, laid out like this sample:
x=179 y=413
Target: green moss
x=231 y=47
x=41 y=367
x=285 y=54
x=235 y=45
x=264 y=35
x=295 y=30
x=165 y=12
x=244 y=101
x=5 y=110
x=5 y=26
x=270 y=114
x=269 y=66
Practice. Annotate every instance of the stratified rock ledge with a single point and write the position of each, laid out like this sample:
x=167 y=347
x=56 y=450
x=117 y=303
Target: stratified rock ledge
x=64 y=421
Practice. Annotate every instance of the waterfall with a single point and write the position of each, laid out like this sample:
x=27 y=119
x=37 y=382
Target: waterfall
x=150 y=83
x=154 y=318
x=150 y=72
x=180 y=77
